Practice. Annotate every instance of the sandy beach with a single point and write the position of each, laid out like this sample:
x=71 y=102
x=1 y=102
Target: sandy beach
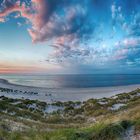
x=63 y=94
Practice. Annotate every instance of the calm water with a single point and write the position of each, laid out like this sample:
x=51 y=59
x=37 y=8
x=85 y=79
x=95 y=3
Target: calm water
x=73 y=81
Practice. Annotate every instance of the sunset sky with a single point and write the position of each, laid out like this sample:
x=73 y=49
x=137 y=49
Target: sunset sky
x=69 y=36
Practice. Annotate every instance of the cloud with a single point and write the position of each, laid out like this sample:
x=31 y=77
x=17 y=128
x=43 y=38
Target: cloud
x=46 y=16
x=70 y=20
x=127 y=51
x=54 y=20
x=2 y=20
x=129 y=42
x=73 y=29
x=65 y=26
x=134 y=28
x=117 y=15
x=10 y=6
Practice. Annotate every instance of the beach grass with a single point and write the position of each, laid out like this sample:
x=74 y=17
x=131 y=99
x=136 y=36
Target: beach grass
x=100 y=131
x=94 y=119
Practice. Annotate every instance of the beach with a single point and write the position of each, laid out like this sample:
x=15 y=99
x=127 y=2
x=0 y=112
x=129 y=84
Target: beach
x=62 y=94
x=31 y=109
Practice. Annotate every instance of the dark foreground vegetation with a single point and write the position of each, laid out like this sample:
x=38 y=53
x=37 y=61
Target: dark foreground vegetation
x=115 y=118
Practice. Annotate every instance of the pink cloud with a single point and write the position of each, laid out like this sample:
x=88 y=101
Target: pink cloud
x=46 y=23
x=2 y=20
x=9 y=10
x=16 y=7
x=36 y=14
x=131 y=42
x=128 y=42
x=120 y=54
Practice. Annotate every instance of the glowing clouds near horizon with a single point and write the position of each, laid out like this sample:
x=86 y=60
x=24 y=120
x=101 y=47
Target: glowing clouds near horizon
x=80 y=33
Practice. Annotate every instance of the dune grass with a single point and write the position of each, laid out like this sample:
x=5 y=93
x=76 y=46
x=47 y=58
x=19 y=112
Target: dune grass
x=72 y=122
x=99 y=131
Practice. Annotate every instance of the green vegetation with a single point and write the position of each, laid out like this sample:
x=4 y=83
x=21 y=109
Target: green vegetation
x=94 y=119
x=98 y=131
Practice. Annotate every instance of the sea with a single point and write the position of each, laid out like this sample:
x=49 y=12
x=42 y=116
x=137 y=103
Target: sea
x=73 y=81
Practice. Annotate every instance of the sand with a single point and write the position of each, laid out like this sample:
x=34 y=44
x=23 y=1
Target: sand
x=64 y=94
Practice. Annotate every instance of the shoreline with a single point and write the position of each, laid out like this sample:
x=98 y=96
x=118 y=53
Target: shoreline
x=65 y=94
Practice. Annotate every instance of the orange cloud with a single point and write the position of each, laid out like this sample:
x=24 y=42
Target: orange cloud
x=19 y=69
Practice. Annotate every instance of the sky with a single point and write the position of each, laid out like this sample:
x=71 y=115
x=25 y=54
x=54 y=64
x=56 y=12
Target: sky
x=70 y=36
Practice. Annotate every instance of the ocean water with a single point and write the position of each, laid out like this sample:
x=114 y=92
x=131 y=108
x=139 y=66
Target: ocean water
x=73 y=81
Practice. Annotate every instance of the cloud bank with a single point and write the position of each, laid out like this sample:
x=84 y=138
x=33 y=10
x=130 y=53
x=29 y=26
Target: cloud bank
x=81 y=32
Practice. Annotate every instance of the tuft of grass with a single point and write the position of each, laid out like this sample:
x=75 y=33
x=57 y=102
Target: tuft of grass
x=112 y=131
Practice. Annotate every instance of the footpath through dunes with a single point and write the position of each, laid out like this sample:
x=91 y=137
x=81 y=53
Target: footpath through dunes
x=94 y=119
